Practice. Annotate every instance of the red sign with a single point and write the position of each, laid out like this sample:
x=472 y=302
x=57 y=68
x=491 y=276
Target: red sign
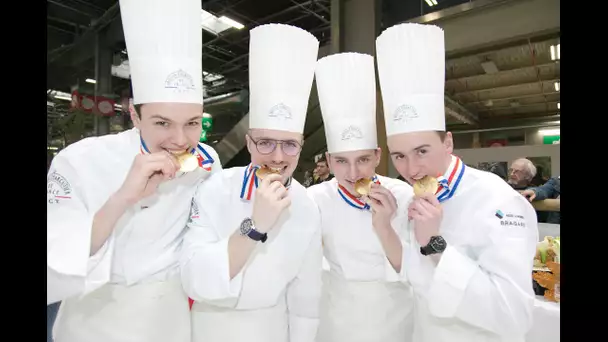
x=105 y=106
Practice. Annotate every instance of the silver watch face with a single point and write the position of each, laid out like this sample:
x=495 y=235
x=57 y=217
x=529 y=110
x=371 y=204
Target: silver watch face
x=246 y=226
x=438 y=243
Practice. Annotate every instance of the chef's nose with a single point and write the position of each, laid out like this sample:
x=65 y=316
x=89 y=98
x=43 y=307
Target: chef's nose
x=277 y=155
x=353 y=172
x=413 y=170
x=180 y=139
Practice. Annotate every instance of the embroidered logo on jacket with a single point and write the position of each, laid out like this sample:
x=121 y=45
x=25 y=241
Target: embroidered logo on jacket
x=511 y=219
x=194 y=213
x=57 y=188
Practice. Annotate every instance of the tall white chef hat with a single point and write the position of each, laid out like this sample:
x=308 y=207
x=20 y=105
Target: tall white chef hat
x=346 y=84
x=282 y=62
x=164 y=42
x=411 y=71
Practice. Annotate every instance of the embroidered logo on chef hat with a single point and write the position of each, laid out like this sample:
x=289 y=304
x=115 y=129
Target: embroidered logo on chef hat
x=280 y=110
x=499 y=214
x=405 y=113
x=352 y=132
x=180 y=81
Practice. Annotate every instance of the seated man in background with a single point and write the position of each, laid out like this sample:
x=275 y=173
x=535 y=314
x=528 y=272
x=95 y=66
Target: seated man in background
x=549 y=190
x=521 y=173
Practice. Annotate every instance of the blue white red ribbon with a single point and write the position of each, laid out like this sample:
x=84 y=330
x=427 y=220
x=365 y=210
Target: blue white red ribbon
x=448 y=182
x=251 y=181
x=204 y=158
x=352 y=200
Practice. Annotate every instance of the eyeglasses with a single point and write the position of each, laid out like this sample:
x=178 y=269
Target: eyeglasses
x=267 y=146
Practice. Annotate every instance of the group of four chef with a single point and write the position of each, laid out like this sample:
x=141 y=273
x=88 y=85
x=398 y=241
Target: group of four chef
x=131 y=236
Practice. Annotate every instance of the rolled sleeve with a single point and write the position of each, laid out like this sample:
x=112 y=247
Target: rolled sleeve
x=493 y=291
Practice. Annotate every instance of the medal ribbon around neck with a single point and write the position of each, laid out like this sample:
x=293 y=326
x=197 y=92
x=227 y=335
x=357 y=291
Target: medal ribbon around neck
x=251 y=180
x=204 y=159
x=448 y=186
x=352 y=200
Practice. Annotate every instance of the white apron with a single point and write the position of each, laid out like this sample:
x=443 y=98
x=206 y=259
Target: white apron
x=364 y=311
x=431 y=329
x=216 y=324
x=148 y=312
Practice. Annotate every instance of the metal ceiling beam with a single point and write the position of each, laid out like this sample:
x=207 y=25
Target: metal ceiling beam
x=491 y=109
x=499 y=73
x=518 y=85
x=261 y=21
x=308 y=10
x=527 y=96
x=84 y=46
x=461 y=23
x=458 y=111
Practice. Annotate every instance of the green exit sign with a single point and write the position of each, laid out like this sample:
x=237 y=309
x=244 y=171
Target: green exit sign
x=550 y=139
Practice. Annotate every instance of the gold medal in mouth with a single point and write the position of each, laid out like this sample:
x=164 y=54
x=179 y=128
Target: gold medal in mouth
x=363 y=186
x=266 y=170
x=187 y=161
x=426 y=184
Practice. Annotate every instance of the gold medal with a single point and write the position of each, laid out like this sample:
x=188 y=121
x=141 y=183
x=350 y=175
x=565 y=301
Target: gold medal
x=265 y=171
x=363 y=186
x=187 y=162
x=427 y=184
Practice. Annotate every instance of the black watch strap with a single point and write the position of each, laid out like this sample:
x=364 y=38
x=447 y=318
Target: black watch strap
x=257 y=236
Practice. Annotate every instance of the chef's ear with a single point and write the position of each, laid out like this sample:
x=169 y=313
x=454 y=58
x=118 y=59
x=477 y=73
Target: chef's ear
x=134 y=113
x=378 y=154
x=448 y=142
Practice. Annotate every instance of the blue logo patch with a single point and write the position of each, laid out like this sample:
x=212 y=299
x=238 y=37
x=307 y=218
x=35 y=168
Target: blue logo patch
x=499 y=214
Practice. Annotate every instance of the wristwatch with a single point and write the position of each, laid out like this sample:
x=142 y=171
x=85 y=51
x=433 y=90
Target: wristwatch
x=248 y=229
x=436 y=245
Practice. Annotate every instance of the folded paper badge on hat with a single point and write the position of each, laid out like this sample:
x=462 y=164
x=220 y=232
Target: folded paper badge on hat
x=411 y=73
x=282 y=62
x=164 y=43
x=346 y=84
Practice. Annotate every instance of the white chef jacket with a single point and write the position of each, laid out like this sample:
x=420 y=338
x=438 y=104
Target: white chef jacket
x=145 y=243
x=283 y=271
x=350 y=244
x=481 y=289
x=357 y=261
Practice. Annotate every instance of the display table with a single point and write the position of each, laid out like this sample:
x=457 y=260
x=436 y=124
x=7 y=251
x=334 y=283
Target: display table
x=545 y=327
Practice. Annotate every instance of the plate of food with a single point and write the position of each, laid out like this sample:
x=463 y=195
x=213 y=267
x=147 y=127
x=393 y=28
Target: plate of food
x=546 y=270
x=547 y=250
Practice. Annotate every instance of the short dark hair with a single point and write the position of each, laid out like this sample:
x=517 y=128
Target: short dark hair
x=442 y=135
x=322 y=159
x=138 y=109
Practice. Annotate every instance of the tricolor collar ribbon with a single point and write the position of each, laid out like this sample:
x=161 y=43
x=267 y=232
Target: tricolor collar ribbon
x=250 y=182
x=448 y=182
x=352 y=200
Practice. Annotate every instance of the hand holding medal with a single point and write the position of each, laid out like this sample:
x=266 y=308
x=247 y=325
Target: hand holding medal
x=146 y=173
x=382 y=201
x=425 y=209
x=271 y=198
